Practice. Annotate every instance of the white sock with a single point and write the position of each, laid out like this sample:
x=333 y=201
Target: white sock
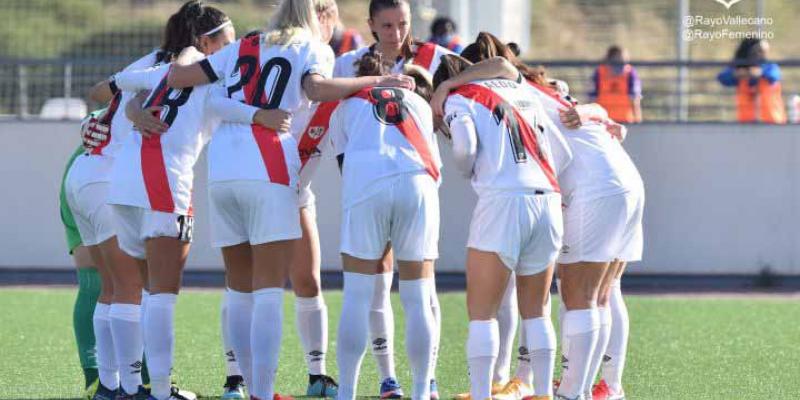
x=159 y=340
x=239 y=320
x=231 y=365
x=541 y=339
x=437 y=327
x=381 y=325
x=265 y=340
x=562 y=309
x=524 y=368
x=353 y=331
x=143 y=303
x=614 y=362
x=416 y=298
x=507 y=321
x=128 y=345
x=581 y=328
x=602 y=342
x=107 y=366
x=482 y=347
x=312 y=327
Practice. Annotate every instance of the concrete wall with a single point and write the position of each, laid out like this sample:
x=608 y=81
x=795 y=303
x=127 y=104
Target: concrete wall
x=720 y=199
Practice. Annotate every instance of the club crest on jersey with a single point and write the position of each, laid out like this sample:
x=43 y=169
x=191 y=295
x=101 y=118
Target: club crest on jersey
x=316 y=132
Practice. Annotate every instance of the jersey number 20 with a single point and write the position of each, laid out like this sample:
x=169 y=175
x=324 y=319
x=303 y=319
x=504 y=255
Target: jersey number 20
x=280 y=67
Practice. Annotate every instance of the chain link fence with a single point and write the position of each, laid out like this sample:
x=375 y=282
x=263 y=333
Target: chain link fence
x=57 y=49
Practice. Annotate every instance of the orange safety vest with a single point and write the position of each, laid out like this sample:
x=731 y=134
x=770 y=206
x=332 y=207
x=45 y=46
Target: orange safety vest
x=613 y=95
x=760 y=103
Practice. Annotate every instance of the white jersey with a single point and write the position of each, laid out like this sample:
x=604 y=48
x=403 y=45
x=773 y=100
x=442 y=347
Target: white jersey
x=272 y=75
x=426 y=55
x=600 y=166
x=382 y=132
x=310 y=127
x=519 y=150
x=156 y=173
x=95 y=167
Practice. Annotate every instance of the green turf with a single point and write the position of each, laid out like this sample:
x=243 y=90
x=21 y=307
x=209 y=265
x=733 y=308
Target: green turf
x=689 y=348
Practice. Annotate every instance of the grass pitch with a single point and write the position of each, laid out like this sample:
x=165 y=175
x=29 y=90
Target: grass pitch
x=680 y=347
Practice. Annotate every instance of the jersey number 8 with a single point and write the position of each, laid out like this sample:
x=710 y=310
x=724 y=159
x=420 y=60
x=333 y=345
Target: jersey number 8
x=388 y=105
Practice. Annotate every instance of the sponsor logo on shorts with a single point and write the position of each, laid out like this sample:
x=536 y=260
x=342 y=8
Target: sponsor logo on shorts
x=565 y=249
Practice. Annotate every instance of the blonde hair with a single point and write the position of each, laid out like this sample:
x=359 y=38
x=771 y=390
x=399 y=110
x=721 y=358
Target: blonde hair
x=323 y=6
x=292 y=20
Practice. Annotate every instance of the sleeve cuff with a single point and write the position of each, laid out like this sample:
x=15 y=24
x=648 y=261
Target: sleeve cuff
x=209 y=71
x=112 y=84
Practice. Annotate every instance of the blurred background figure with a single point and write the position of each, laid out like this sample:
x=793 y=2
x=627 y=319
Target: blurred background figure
x=758 y=84
x=344 y=39
x=617 y=87
x=443 y=33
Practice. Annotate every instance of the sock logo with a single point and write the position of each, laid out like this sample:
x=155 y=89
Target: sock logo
x=379 y=344
x=564 y=362
x=137 y=367
x=316 y=355
x=231 y=356
x=606 y=358
x=523 y=354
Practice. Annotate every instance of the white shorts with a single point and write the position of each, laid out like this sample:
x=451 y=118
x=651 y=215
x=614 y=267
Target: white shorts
x=252 y=211
x=92 y=214
x=306 y=197
x=407 y=215
x=134 y=225
x=523 y=229
x=604 y=229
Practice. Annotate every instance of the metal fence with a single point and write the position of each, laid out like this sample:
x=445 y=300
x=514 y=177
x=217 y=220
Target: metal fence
x=59 y=48
x=36 y=81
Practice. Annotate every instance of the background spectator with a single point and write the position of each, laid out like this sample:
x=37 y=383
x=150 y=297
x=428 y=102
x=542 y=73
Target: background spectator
x=757 y=82
x=443 y=33
x=344 y=39
x=617 y=87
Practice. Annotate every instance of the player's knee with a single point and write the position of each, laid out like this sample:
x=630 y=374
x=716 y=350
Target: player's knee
x=306 y=287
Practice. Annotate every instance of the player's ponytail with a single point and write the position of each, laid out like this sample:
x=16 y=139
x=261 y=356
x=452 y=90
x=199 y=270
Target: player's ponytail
x=488 y=46
x=293 y=18
x=187 y=25
x=450 y=66
x=423 y=85
x=177 y=33
x=372 y=64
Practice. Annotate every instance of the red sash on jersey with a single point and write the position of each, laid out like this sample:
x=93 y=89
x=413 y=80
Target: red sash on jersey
x=269 y=143
x=106 y=120
x=154 y=171
x=319 y=121
x=424 y=56
x=551 y=93
x=408 y=127
x=491 y=100
x=347 y=43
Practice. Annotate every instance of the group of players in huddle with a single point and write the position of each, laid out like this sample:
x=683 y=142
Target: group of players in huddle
x=554 y=186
